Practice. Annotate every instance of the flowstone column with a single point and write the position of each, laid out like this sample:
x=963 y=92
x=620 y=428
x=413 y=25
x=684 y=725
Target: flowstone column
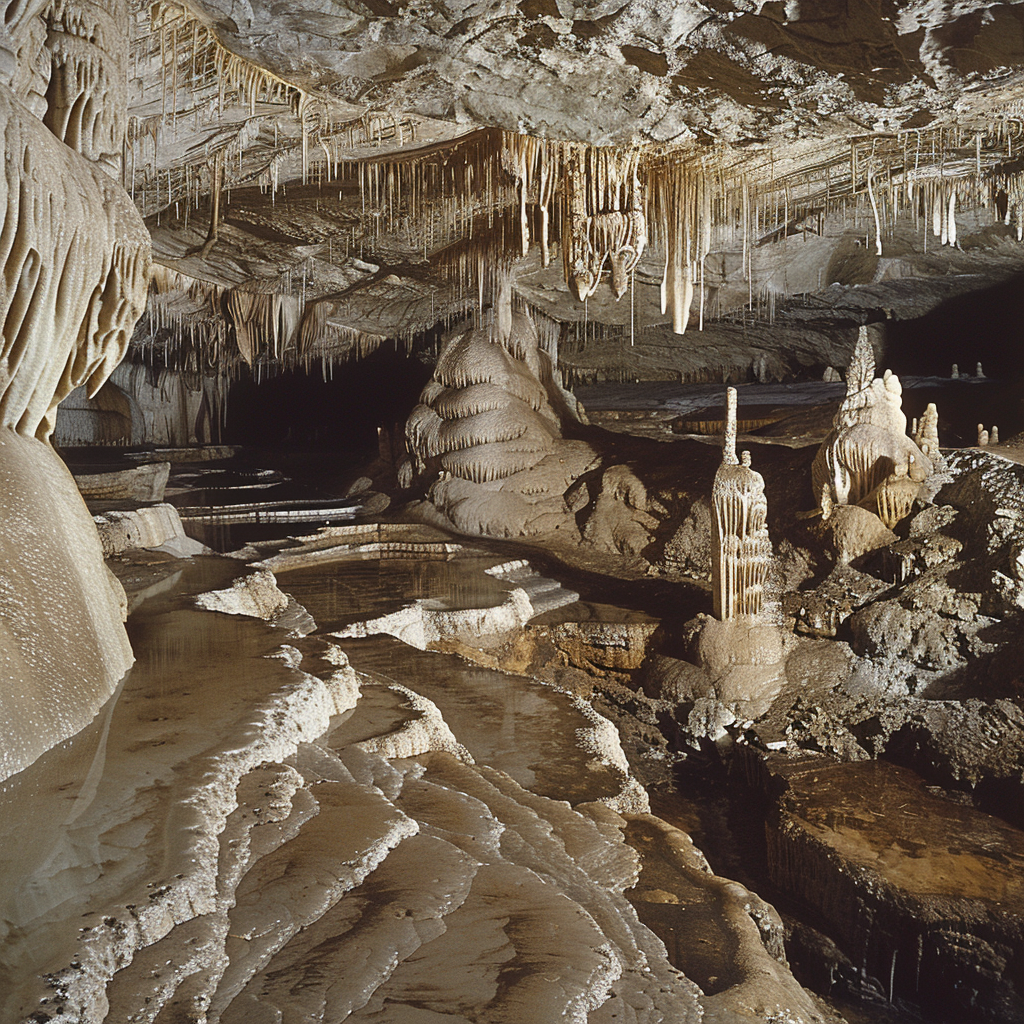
x=740 y=649
x=741 y=549
x=75 y=258
x=867 y=459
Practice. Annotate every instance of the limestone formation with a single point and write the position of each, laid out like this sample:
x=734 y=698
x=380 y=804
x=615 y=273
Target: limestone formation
x=75 y=258
x=489 y=426
x=926 y=433
x=741 y=551
x=867 y=458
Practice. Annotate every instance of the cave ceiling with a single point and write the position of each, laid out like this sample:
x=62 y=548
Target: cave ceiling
x=322 y=176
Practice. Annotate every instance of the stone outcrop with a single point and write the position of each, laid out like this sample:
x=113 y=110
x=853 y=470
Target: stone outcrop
x=926 y=891
x=155 y=527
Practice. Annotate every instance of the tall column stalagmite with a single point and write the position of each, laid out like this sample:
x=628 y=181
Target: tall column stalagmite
x=741 y=550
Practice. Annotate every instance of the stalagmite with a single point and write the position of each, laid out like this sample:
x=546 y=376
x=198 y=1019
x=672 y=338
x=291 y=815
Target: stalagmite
x=489 y=426
x=926 y=434
x=741 y=550
x=993 y=436
x=867 y=458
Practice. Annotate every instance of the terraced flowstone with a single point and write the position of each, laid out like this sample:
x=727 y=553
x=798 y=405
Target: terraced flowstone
x=257 y=830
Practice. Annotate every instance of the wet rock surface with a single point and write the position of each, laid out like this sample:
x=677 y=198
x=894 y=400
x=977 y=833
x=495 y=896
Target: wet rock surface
x=500 y=761
x=283 y=831
x=925 y=889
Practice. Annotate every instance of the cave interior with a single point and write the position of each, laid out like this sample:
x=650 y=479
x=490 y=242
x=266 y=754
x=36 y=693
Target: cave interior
x=512 y=511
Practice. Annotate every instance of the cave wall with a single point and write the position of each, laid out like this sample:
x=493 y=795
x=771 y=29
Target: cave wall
x=75 y=257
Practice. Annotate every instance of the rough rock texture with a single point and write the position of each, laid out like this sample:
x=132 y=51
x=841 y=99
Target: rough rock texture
x=257 y=595
x=141 y=483
x=152 y=526
x=927 y=890
x=606 y=72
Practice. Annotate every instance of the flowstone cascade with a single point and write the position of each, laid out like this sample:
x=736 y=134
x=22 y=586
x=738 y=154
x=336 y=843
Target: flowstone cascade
x=867 y=459
x=75 y=257
x=489 y=424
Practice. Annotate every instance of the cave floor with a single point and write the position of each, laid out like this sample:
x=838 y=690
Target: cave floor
x=445 y=727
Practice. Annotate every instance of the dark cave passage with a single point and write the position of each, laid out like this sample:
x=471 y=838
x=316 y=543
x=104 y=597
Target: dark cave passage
x=342 y=413
x=984 y=326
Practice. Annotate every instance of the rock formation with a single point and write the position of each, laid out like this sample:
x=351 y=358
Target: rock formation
x=867 y=459
x=926 y=436
x=75 y=259
x=490 y=426
x=741 y=549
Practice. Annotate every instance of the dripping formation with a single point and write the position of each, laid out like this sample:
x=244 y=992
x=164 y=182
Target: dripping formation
x=448 y=216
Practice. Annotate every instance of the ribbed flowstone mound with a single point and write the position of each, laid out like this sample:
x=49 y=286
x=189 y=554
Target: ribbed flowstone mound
x=489 y=426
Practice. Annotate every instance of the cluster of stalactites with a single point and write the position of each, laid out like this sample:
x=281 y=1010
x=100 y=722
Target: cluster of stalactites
x=199 y=79
x=741 y=551
x=601 y=203
x=867 y=459
x=86 y=95
x=197 y=327
x=683 y=209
